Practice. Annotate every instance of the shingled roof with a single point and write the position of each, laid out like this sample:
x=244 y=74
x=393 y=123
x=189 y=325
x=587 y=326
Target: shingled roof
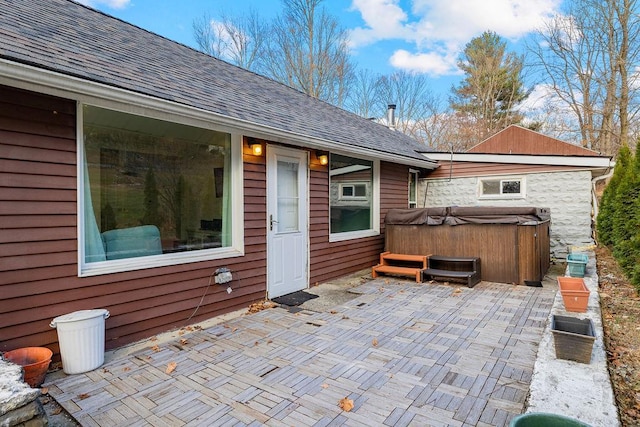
x=75 y=40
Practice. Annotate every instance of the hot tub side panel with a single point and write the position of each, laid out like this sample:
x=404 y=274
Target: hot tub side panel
x=495 y=244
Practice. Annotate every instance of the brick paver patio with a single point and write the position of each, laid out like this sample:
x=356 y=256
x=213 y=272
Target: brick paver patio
x=405 y=353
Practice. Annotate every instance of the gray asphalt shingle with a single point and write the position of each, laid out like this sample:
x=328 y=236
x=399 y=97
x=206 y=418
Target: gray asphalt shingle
x=75 y=40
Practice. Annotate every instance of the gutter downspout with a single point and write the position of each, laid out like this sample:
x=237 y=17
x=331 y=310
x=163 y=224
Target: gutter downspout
x=594 y=181
x=594 y=198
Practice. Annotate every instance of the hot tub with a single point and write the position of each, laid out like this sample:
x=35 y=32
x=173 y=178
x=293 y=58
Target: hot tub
x=512 y=242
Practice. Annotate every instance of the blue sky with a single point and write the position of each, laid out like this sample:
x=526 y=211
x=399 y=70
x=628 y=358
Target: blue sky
x=420 y=36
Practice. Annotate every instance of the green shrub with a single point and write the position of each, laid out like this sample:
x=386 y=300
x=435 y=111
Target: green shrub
x=604 y=224
x=626 y=219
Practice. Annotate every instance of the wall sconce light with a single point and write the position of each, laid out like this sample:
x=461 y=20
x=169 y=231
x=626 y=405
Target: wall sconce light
x=256 y=147
x=323 y=157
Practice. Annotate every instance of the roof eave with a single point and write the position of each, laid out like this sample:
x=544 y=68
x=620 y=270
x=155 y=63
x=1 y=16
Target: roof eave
x=31 y=77
x=577 y=161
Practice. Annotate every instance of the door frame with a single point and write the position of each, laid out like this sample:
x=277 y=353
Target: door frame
x=272 y=154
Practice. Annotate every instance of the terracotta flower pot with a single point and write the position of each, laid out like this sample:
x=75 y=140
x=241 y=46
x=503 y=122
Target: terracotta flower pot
x=575 y=294
x=35 y=362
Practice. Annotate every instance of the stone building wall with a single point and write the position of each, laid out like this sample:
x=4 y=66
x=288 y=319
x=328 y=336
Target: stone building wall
x=567 y=194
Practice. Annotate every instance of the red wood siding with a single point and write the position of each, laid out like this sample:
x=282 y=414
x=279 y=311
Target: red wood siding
x=38 y=239
x=463 y=169
x=330 y=260
x=38 y=242
x=518 y=140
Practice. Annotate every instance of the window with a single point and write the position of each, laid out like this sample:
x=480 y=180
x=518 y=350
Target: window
x=352 y=197
x=501 y=188
x=354 y=191
x=152 y=188
x=413 y=188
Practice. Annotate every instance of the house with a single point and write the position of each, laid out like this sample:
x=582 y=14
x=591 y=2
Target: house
x=520 y=167
x=137 y=173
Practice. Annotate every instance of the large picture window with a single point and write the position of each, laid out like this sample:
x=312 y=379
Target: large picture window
x=152 y=187
x=352 y=195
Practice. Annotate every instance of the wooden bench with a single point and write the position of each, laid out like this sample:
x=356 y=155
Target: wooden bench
x=401 y=264
x=459 y=268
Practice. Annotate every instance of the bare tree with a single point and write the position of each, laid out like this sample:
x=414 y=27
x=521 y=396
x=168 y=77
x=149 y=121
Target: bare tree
x=362 y=97
x=410 y=93
x=239 y=40
x=308 y=51
x=588 y=55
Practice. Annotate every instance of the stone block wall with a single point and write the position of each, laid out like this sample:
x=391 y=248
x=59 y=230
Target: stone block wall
x=19 y=404
x=566 y=194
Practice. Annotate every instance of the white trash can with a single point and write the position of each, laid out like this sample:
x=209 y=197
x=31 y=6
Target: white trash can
x=81 y=338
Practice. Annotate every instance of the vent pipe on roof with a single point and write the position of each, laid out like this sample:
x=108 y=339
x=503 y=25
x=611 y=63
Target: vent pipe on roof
x=391 y=116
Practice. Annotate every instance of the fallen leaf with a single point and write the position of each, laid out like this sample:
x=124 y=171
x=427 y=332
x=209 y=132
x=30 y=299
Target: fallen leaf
x=375 y=342
x=325 y=385
x=333 y=312
x=234 y=329
x=256 y=343
x=126 y=369
x=171 y=367
x=153 y=339
x=83 y=396
x=56 y=411
x=226 y=326
x=269 y=342
x=345 y=317
x=189 y=328
x=44 y=390
x=155 y=348
x=183 y=341
x=346 y=404
x=181 y=332
x=456 y=292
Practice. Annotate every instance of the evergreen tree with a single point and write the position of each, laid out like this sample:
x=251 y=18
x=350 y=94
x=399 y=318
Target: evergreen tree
x=493 y=84
x=626 y=219
x=607 y=208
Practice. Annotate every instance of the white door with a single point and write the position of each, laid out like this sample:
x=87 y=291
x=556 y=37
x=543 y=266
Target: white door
x=287 y=235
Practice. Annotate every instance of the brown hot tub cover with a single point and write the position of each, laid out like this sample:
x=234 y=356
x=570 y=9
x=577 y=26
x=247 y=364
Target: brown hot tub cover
x=428 y=216
x=456 y=215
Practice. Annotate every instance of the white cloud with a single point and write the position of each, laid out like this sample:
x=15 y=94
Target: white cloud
x=442 y=27
x=432 y=63
x=113 y=4
x=384 y=19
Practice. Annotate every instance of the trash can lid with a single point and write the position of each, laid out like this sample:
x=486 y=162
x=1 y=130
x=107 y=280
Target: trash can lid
x=77 y=316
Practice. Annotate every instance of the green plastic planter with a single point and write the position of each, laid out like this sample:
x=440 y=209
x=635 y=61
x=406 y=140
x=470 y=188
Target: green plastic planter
x=541 y=419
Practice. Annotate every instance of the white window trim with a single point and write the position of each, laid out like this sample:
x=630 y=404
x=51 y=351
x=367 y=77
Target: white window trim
x=521 y=195
x=415 y=174
x=375 y=208
x=139 y=263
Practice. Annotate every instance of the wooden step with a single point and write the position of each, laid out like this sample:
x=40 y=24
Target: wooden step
x=392 y=269
x=387 y=258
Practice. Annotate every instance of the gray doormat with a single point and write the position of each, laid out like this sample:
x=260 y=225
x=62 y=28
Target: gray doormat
x=294 y=299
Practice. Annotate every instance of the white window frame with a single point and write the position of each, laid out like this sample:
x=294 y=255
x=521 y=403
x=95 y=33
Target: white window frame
x=154 y=261
x=521 y=195
x=413 y=203
x=375 y=207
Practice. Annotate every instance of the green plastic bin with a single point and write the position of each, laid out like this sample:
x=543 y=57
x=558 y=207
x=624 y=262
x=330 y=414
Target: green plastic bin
x=577 y=264
x=542 y=419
